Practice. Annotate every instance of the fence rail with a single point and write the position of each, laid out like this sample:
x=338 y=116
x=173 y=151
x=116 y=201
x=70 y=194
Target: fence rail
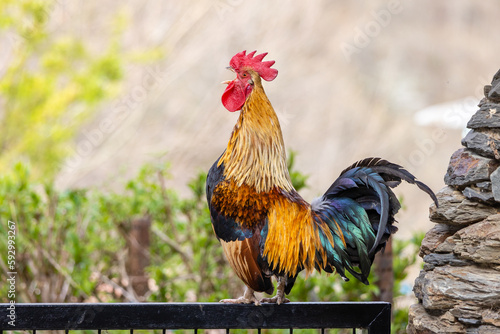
x=373 y=316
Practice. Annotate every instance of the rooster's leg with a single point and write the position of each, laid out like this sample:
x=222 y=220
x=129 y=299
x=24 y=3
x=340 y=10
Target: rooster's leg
x=280 y=293
x=247 y=298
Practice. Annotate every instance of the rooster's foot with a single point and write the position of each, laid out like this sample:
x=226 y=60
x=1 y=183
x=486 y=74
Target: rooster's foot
x=276 y=300
x=241 y=300
x=280 y=293
x=247 y=298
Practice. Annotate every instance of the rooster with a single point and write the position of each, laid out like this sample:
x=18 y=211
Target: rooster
x=265 y=227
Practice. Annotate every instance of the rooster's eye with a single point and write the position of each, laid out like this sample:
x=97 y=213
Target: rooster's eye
x=244 y=75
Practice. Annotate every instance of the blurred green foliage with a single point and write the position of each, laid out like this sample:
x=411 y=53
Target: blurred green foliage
x=71 y=245
x=299 y=179
x=51 y=84
x=62 y=239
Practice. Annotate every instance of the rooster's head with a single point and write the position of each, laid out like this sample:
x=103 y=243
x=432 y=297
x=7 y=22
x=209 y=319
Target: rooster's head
x=248 y=69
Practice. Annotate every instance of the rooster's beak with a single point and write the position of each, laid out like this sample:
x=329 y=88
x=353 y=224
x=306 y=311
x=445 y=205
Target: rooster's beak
x=227 y=82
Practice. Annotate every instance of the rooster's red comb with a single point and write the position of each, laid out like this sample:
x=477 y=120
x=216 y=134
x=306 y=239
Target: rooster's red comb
x=264 y=69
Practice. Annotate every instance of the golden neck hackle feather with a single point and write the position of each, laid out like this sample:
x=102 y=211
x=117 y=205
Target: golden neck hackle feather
x=255 y=155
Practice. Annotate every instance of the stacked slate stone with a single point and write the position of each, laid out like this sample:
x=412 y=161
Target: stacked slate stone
x=459 y=288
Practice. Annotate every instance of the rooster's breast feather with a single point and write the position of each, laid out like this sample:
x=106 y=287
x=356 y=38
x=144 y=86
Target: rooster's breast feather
x=237 y=211
x=225 y=227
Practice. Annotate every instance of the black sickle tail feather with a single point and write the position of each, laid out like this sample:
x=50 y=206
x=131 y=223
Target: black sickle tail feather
x=386 y=207
x=362 y=205
x=392 y=174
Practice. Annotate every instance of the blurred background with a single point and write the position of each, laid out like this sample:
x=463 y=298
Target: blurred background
x=353 y=78
x=91 y=91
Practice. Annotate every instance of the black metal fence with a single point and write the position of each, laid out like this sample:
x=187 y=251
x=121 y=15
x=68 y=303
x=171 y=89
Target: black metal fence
x=373 y=316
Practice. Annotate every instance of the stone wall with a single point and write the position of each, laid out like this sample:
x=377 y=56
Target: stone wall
x=459 y=288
